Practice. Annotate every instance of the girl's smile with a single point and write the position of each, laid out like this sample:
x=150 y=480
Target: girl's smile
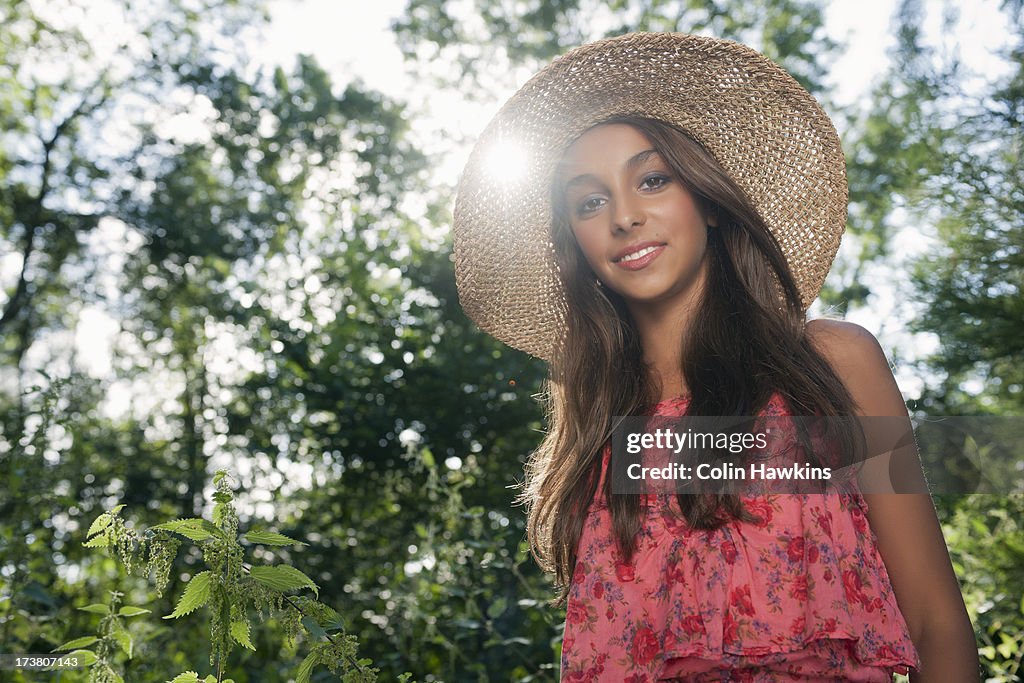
x=638 y=256
x=641 y=231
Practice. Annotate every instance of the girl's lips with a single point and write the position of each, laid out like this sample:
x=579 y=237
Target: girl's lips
x=640 y=258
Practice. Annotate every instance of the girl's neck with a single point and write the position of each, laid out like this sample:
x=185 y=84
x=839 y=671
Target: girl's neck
x=661 y=324
x=661 y=335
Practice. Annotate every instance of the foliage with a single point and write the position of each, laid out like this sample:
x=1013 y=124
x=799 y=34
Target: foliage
x=111 y=636
x=231 y=589
x=489 y=32
x=950 y=160
x=986 y=540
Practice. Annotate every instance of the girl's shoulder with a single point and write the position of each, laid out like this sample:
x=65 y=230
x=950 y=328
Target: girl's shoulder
x=832 y=337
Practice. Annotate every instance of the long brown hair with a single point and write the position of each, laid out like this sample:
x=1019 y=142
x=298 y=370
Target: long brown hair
x=746 y=342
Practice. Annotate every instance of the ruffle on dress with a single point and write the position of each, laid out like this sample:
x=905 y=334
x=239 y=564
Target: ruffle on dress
x=801 y=595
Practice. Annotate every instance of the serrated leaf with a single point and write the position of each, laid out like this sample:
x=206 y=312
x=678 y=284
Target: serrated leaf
x=95 y=608
x=283 y=578
x=86 y=657
x=99 y=524
x=210 y=679
x=129 y=611
x=271 y=538
x=76 y=643
x=124 y=640
x=334 y=621
x=196 y=593
x=305 y=671
x=240 y=632
x=192 y=529
x=186 y=677
x=116 y=509
x=101 y=541
x=219 y=476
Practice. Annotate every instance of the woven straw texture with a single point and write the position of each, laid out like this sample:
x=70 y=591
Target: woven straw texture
x=764 y=128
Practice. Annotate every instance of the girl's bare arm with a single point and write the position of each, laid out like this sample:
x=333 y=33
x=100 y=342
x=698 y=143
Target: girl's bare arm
x=910 y=539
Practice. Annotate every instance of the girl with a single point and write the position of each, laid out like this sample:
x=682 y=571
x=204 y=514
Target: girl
x=653 y=214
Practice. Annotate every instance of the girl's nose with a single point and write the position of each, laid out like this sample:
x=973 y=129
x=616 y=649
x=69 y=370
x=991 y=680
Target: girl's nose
x=628 y=215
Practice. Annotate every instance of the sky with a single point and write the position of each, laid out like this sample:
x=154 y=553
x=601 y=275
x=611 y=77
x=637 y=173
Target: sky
x=352 y=39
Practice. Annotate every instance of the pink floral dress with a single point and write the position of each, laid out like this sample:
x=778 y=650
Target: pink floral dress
x=801 y=596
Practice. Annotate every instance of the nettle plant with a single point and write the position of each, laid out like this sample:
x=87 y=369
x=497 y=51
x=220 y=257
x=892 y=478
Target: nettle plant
x=111 y=636
x=230 y=588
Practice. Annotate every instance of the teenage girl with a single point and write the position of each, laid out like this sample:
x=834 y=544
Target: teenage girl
x=653 y=214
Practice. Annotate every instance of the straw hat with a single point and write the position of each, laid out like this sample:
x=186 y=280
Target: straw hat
x=771 y=136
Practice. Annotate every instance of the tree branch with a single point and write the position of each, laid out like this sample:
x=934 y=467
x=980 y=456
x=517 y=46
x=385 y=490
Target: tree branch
x=20 y=298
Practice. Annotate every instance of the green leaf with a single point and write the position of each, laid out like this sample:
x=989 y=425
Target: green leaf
x=427 y=457
x=283 y=578
x=124 y=640
x=86 y=657
x=116 y=509
x=334 y=621
x=270 y=538
x=100 y=541
x=305 y=671
x=192 y=529
x=314 y=628
x=129 y=611
x=186 y=677
x=95 y=608
x=240 y=632
x=497 y=608
x=76 y=643
x=99 y=524
x=219 y=476
x=210 y=679
x=196 y=593
x=1008 y=647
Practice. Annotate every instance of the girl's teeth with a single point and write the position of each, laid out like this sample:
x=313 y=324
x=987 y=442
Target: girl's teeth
x=640 y=254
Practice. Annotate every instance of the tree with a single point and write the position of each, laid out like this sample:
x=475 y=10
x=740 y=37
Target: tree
x=951 y=161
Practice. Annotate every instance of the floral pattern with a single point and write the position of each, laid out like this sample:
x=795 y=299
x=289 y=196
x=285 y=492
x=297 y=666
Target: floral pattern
x=800 y=594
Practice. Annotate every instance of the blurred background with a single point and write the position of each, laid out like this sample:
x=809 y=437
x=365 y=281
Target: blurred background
x=224 y=244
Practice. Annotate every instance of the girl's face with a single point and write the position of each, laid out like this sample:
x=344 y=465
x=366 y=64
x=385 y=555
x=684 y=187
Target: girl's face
x=640 y=230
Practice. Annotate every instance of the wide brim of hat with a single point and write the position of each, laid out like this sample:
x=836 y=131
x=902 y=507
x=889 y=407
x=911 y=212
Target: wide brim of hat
x=769 y=134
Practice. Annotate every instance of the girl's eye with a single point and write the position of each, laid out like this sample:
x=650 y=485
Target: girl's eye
x=588 y=205
x=654 y=181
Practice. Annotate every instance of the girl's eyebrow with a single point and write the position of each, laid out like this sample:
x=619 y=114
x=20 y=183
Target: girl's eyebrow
x=631 y=164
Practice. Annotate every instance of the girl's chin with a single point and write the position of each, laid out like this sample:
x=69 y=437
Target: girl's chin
x=652 y=296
